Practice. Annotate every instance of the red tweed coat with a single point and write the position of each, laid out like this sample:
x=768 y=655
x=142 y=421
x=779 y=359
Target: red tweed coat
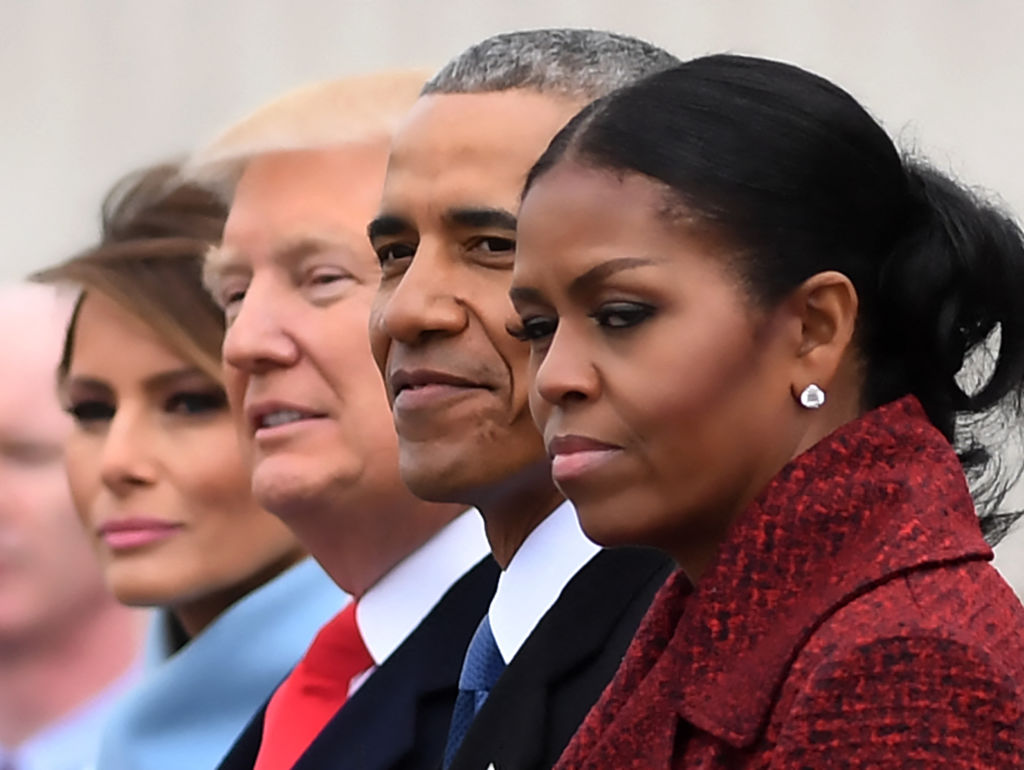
x=850 y=620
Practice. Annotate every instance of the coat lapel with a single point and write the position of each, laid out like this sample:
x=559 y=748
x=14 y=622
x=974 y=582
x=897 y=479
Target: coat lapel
x=567 y=660
x=839 y=519
x=242 y=755
x=399 y=717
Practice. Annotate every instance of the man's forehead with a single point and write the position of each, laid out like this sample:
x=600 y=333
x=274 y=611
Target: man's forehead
x=40 y=314
x=514 y=124
x=468 y=152
x=285 y=246
x=300 y=201
x=31 y=397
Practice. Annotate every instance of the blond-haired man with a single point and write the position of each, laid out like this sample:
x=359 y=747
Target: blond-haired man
x=296 y=278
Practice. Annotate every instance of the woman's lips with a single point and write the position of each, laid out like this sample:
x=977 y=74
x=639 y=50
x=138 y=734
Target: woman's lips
x=575 y=456
x=122 y=534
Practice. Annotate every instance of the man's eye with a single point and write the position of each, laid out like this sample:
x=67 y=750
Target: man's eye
x=533 y=328
x=494 y=245
x=622 y=315
x=32 y=453
x=393 y=252
x=322 y=279
x=189 y=403
x=230 y=296
x=326 y=281
x=85 y=412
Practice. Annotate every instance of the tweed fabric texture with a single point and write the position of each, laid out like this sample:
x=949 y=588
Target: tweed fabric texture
x=849 y=620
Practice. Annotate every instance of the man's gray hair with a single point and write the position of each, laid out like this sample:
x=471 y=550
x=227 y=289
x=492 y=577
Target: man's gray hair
x=582 y=64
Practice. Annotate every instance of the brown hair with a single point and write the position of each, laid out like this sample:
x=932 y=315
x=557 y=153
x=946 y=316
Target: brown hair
x=156 y=230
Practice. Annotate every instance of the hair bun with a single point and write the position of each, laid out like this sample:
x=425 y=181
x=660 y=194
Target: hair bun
x=955 y=277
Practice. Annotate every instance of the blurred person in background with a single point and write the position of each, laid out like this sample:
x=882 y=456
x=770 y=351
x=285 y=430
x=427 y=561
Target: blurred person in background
x=748 y=314
x=161 y=485
x=445 y=237
x=68 y=649
x=295 y=277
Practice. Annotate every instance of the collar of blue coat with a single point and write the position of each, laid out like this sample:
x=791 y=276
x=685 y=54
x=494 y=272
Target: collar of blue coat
x=192 y=703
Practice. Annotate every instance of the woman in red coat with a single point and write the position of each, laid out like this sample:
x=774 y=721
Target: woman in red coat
x=747 y=315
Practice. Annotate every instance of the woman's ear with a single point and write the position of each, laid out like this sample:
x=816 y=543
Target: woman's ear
x=826 y=307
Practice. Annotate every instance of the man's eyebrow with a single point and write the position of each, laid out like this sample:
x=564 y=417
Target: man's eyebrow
x=218 y=257
x=298 y=247
x=581 y=284
x=480 y=218
x=222 y=261
x=387 y=225
x=218 y=261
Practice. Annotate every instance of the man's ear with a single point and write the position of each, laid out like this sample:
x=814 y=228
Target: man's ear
x=825 y=306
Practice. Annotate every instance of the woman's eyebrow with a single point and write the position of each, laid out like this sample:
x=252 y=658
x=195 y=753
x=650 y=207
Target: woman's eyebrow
x=582 y=284
x=171 y=377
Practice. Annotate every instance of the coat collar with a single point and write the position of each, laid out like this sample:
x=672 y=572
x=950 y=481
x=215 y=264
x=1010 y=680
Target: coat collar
x=385 y=721
x=880 y=496
x=524 y=713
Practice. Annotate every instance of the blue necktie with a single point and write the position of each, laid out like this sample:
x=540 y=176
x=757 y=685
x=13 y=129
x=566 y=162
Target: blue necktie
x=480 y=670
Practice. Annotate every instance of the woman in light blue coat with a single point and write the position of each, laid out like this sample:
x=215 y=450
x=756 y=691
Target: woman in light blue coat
x=162 y=488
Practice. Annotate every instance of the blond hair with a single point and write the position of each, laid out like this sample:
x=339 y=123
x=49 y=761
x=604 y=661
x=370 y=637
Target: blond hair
x=356 y=109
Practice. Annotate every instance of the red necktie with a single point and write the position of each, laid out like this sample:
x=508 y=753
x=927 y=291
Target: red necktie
x=313 y=692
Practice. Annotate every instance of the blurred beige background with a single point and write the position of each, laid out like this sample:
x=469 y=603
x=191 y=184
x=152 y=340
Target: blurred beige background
x=93 y=88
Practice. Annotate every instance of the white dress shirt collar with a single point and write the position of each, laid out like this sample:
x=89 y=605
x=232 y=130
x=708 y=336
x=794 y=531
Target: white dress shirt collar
x=398 y=602
x=546 y=561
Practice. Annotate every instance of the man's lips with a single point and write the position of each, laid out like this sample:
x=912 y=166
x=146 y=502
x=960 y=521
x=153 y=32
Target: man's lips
x=135 y=531
x=575 y=456
x=264 y=415
x=426 y=388
x=411 y=379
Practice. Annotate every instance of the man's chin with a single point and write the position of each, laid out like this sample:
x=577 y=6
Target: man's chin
x=287 y=492
x=454 y=481
x=296 y=487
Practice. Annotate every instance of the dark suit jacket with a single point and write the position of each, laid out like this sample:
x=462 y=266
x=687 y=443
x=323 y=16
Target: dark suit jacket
x=849 y=620
x=398 y=719
x=565 y=663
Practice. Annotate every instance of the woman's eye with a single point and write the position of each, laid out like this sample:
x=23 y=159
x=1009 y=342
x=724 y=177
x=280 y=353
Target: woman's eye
x=390 y=253
x=198 y=402
x=85 y=412
x=622 y=315
x=533 y=328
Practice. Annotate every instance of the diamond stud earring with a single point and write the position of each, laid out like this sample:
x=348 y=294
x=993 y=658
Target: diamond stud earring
x=812 y=397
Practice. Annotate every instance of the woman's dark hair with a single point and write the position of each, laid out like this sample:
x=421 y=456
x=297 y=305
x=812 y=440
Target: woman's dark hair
x=156 y=230
x=797 y=178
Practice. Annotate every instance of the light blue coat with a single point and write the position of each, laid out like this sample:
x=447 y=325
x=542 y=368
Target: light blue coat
x=190 y=705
